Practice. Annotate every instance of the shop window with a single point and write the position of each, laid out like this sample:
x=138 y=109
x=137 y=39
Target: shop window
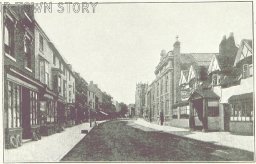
x=184 y=112
x=175 y=113
x=13 y=105
x=27 y=50
x=33 y=108
x=242 y=111
x=9 y=37
x=213 y=111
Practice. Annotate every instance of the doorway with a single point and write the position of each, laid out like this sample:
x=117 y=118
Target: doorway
x=26 y=133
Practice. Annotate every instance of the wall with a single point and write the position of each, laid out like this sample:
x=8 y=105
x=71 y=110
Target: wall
x=241 y=128
x=182 y=123
x=214 y=123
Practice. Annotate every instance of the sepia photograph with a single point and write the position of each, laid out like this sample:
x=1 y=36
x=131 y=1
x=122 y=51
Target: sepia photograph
x=137 y=82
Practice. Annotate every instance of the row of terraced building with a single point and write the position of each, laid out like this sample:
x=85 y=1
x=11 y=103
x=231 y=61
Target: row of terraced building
x=39 y=83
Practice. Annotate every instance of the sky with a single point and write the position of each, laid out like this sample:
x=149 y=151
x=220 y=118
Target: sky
x=119 y=45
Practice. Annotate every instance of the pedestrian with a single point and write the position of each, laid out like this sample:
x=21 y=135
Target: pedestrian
x=161 y=118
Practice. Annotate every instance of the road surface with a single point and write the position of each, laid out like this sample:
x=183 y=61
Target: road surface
x=122 y=140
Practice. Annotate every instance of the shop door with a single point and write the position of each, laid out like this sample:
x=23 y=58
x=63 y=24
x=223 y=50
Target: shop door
x=26 y=134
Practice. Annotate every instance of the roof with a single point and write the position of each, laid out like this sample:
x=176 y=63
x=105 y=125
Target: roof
x=245 y=96
x=204 y=93
x=201 y=59
x=181 y=103
x=244 y=42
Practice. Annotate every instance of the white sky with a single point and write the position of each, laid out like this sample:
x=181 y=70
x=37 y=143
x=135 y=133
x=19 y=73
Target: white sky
x=120 y=44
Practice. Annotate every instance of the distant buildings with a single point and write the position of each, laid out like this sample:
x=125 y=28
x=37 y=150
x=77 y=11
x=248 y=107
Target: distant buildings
x=140 y=101
x=131 y=110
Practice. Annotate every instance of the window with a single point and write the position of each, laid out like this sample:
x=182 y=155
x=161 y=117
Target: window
x=69 y=76
x=161 y=87
x=246 y=71
x=167 y=107
x=41 y=43
x=166 y=84
x=214 y=79
x=250 y=70
x=213 y=108
x=242 y=111
x=59 y=84
x=27 y=50
x=54 y=59
x=47 y=73
x=60 y=65
x=13 y=105
x=9 y=37
x=44 y=72
x=33 y=108
x=64 y=88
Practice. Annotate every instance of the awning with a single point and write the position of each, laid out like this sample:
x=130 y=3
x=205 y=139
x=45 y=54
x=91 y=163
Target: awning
x=179 y=104
x=104 y=113
x=241 y=97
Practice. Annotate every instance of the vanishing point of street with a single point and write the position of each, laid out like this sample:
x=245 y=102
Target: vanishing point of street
x=122 y=140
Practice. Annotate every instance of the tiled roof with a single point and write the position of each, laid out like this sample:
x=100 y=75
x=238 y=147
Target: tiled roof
x=205 y=93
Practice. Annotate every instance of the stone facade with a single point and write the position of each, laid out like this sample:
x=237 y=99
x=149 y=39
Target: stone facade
x=140 y=96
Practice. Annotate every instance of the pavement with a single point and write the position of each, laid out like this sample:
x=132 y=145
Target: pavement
x=217 y=138
x=50 y=148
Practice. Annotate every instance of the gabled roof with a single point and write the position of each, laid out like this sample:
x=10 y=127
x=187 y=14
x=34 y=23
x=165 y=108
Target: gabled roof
x=244 y=42
x=183 y=77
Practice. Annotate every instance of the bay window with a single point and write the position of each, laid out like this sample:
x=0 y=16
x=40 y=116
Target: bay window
x=242 y=111
x=44 y=72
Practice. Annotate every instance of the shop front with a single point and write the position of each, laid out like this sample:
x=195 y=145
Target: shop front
x=242 y=112
x=48 y=113
x=71 y=114
x=21 y=105
x=61 y=114
x=204 y=105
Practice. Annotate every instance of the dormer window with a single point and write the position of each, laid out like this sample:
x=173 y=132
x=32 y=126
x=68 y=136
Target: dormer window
x=215 y=79
x=246 y=71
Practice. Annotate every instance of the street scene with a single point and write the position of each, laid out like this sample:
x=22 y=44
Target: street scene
x=103 y=84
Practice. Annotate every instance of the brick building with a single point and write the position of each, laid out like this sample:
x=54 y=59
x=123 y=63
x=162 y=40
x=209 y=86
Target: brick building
x=21 y=89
